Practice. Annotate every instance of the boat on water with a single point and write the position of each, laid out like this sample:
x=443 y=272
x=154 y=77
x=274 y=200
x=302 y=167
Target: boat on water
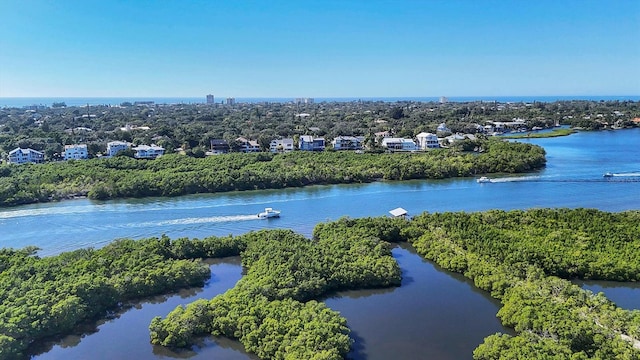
x=269 y=213
x=608 y=174
x=484 y=179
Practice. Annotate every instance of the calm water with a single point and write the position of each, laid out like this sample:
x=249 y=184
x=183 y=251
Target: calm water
x=423 y=311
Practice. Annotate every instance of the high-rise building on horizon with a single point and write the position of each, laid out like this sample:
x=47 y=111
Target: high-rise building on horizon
x=304 y=100
x=231 y=101
x=210 y=99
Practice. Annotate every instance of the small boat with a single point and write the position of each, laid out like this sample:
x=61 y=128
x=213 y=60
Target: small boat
x=608 y=174
x=269 y=213
x=484 y=179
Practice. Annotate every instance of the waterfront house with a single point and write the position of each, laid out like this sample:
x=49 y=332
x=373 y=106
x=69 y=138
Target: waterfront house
x=148 y=151
x=247 y=145
x=427 y=141
x=309 y=143
x=281 y=145
x=219 y=146
x=75 y=152
x=399 y=144
x=23 y=156
x=348 y=143
x=115 y=147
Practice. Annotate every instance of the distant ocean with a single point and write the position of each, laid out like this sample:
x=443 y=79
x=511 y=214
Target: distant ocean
x=80 y=101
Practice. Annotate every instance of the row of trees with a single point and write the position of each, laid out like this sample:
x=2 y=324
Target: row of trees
x=173 y=175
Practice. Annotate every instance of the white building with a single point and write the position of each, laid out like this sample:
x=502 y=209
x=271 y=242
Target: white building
x=114 y=147
x=399 y=144
x=348 y=143
x=23 y=156
x=75 y=152
x=427 y=141
x=148 y=152
x=281 y=145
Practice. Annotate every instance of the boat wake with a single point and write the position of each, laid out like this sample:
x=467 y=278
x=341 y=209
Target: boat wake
x=514 y=179
x=201 y=220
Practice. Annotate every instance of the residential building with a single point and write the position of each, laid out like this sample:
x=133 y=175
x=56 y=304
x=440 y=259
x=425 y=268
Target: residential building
x=309 y=143
x=304 y=100
x=115 y=147
x=399 y=144
x=443 y=128
x=427 y=141
x=148 y=151
x=23 y=156
x=247 y=145
x=231 y=101
x=348 y=143
x=210 y=99
x=281 y=145
x=75 y=152
x=219 y=146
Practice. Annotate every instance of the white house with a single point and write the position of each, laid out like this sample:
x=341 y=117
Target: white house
x=348 y=142
x=75 y=152
x=114 y=147
x=399 y=144
x=427 y=141
x=281 y=145
x=309 y=143
x=23 y=156
x=148 y=152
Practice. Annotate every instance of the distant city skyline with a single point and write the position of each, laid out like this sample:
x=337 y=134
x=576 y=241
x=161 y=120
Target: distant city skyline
x=319 y=49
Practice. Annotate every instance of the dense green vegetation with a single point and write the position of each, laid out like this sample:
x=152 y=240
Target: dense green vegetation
x=174 y=175
x=43 y=297
x=271 y=310
x=553 y=133
x=521 y=258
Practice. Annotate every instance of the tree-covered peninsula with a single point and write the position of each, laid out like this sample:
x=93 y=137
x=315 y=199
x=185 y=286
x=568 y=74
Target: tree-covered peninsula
x=174 y=175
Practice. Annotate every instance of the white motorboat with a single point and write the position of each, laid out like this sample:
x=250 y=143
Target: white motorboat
x=484 y=179
x=269 y=213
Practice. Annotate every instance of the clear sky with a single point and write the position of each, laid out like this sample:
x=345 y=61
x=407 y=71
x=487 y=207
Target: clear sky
x=313 y=48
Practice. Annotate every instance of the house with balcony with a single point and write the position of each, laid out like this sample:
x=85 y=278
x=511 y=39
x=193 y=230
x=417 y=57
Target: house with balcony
x=148 y=151
x=248 y=146
x=75 y=152
x=219 y=146
x=23 y=156
x=309 y=143
x=399 y=144
x=115 y=147
x=348 y=143
x=281 y=145
x=426 y=141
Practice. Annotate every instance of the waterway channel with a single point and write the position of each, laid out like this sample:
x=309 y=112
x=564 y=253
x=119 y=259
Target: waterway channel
x=434 y=313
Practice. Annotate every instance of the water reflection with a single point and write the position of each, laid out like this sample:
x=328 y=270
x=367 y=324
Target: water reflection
x=125 y=334
x=433 y=314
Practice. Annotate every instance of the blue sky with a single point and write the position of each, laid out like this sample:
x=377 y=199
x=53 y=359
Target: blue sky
x=319 y=48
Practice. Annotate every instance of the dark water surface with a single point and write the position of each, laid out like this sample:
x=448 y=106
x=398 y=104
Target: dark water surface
x=435 y=314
